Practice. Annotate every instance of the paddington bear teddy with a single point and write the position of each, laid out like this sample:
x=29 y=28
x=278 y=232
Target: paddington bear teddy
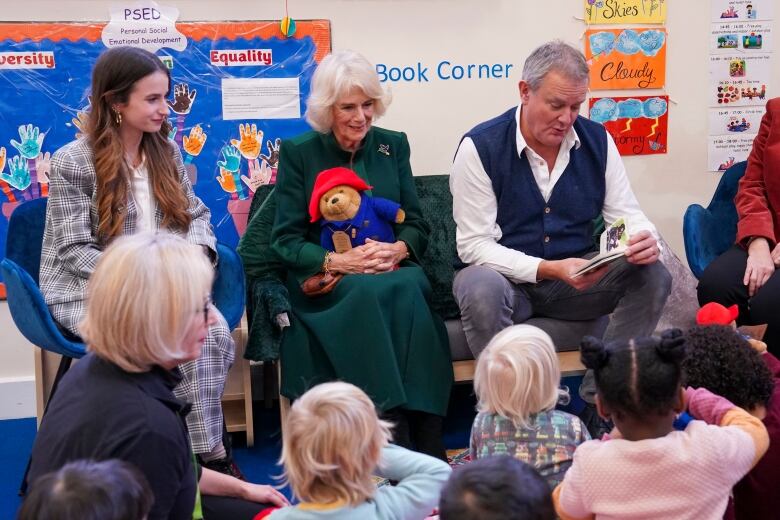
x=348 y=216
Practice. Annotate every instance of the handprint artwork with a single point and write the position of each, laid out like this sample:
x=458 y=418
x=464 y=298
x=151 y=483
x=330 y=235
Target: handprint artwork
x=4 y=186
x=32 y=140
x=193 y=144
x=183 y=98
x=231 y=158
x=258 y=175
x=18 y=174
x=251 y=141
x=231 y=163
x=80 y=122
x=227 y=180
x=43 y=167
x=273 y=153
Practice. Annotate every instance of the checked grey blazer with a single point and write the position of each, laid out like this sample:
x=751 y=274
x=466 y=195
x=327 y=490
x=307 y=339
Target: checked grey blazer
x=70 y=247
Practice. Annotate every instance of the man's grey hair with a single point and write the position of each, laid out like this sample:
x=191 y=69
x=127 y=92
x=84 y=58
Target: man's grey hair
x=556 y=56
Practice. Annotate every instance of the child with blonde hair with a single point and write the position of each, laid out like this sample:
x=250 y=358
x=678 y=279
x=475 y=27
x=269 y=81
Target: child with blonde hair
x=517 y=381
x=333 y=444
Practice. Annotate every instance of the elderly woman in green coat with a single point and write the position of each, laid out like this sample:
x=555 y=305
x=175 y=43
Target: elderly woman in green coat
x=375 y=329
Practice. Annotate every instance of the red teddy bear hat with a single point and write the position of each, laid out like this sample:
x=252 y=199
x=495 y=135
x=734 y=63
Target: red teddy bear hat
x=716 y=314
x=331 y=178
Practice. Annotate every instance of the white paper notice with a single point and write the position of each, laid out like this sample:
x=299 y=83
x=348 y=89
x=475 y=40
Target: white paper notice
x=736 y=120
x=261 y=98
x=739 y=79
x=725 y=150
x=754 y=37
x=733 y=10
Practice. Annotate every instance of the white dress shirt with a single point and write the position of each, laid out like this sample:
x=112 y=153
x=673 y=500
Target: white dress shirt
x=475 y=207
x=144 y=201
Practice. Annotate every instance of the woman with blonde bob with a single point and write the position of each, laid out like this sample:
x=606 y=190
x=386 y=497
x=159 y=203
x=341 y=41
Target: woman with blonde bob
x=517 y=382
x=375 y=329
x=333 y=444
x=148 y=312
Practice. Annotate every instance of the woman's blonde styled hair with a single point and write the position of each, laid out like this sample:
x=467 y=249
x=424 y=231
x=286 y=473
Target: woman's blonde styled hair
x=142 y=298
x=336 y=75
x=518 y=375
x=332 y=443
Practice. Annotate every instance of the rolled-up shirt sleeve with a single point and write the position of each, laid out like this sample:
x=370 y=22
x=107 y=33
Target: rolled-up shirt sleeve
x=474 y=208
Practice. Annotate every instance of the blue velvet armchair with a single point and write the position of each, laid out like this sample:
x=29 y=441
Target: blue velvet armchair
x=709 y=232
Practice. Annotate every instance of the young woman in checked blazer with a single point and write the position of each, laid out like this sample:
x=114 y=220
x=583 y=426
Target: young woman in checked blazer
x=122 y=177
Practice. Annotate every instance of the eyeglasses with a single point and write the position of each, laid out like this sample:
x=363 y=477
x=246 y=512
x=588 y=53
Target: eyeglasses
x=206 y=309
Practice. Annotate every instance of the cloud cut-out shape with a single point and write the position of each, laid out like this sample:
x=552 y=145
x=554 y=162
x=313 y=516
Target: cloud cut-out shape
x=654 y=107
x=603 y=110
x=144 y=24
x=630 y=108
x=651 y=41
x=628 y=42
x=601 y=42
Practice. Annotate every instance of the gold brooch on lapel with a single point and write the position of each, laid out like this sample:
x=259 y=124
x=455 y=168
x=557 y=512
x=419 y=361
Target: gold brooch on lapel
x=384 y=148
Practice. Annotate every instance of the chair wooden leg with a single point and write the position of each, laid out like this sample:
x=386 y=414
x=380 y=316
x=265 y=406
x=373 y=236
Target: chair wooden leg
x=284 y=403
x=269 y=383
x=61 y=370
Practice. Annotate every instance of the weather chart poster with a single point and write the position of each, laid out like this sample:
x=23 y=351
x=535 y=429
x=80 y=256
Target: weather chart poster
x=626 y=58
x=238 y=88
x=638 y=124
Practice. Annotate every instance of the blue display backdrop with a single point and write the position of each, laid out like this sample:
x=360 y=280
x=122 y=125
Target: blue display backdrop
x=45 y=71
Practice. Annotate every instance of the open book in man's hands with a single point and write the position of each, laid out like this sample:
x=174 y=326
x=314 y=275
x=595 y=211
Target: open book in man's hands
x=614 y=242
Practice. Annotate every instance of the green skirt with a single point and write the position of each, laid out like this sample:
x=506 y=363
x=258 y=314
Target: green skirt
x=375 y=331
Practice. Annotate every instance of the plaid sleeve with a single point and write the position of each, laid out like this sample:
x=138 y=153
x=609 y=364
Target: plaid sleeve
x=68 y=213
x=200 y=231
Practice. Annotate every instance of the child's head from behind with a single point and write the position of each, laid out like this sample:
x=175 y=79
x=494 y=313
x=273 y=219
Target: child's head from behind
x=724 y=363
x=638 y=382
x=517 y=374
x=332 y=443
x=495 y=488
x=89 y=490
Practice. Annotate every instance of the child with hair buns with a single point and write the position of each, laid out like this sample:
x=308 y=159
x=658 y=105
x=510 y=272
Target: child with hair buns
x=647 y=469
x=517 y=382
x=333 y=444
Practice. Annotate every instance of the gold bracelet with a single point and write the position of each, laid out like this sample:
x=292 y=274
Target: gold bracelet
x=326 y=262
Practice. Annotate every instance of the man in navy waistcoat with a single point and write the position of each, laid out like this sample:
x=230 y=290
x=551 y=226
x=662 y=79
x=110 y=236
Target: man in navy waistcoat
x=527 y=186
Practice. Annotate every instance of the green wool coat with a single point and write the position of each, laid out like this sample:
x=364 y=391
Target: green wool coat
x=375 y=331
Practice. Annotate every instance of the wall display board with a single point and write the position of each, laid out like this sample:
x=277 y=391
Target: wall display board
x=238 y=88
x=605 y=12
x=626 y=58
x=740 y=71
x=637 y=124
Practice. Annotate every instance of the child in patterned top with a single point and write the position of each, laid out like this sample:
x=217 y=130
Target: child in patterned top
x=517 y=383
x=645 y=468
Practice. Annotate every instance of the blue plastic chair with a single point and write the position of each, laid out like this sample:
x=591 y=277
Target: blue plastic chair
x=31 y=314
x=709 y=232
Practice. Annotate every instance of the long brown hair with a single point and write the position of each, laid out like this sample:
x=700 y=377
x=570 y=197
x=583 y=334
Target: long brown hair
x=115 y=74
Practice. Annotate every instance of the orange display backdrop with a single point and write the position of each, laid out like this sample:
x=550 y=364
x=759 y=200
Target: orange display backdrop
x=626 y=58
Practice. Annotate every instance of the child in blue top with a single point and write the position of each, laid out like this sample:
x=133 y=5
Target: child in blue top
x=333 y=443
